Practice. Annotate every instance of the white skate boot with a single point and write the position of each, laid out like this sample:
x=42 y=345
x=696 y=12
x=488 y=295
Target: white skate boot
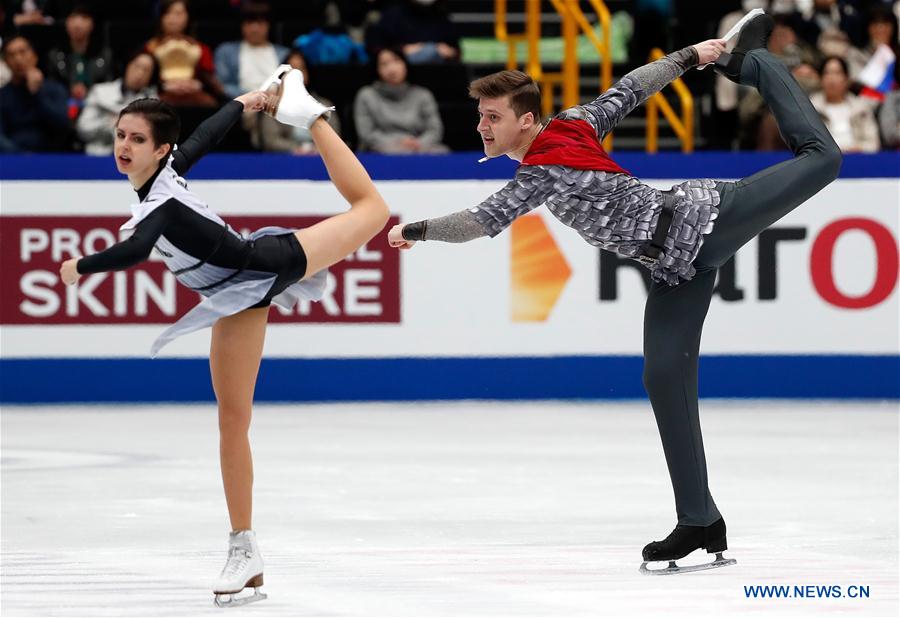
x=289 y=102
x=244 y=569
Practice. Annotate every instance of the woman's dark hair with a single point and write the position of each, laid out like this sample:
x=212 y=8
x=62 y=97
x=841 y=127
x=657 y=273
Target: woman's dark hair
x=165 y=126
x=842 y=62
x=164 y=7
x=154 y=76
x=394 y=50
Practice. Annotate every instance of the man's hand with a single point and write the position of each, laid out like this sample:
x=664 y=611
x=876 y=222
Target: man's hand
x=34 y=79
x=411 y=143
x=709 y=51
x=395 y=238
x=68 y=272
x=253 y=101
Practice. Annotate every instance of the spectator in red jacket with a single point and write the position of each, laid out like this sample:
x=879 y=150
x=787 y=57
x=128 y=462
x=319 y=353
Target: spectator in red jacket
x=187 y=72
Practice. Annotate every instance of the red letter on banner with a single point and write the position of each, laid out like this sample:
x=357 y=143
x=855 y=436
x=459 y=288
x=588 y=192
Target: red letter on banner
x=887 y=263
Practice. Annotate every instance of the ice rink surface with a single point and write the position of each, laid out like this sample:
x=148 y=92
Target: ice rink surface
x=457 y=509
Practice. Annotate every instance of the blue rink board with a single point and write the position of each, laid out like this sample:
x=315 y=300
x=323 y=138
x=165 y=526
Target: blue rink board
x=34 y=381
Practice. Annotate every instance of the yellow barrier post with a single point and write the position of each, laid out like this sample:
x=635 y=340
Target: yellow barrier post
x=683 y=126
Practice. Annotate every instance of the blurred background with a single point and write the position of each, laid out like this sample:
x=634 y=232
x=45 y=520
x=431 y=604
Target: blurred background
x=82 y=60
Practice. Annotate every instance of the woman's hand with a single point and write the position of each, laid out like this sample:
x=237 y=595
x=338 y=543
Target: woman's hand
x=253 y=101
x=709 y=51
x=396 y=240
x=68 y=272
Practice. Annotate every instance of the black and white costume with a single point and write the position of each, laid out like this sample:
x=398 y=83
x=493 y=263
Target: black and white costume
x=233 y=273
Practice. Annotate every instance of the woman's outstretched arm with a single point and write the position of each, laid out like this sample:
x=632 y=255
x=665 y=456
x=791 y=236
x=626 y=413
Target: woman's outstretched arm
x=211 y=131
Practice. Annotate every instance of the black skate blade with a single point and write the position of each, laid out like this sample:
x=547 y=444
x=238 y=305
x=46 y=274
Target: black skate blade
x=233 y=600
x=673 y=569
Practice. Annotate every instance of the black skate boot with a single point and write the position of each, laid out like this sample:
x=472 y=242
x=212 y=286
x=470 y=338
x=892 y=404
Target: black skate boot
x=682 y=541
x=754 y=35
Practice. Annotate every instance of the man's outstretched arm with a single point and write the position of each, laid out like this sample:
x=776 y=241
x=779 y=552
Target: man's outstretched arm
x=526 y=192
x=605 y=112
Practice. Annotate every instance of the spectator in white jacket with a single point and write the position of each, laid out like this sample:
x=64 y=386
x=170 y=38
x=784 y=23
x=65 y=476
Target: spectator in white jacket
x=97 y=121
x=850 y=121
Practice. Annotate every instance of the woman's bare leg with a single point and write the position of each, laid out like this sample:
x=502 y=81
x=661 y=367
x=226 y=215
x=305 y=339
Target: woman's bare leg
x=234 y=357
x=333 y=239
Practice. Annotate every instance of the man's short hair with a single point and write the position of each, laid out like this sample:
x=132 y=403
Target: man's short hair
x=13 y=39
x=82 y=9
x=255 y=11
x=524 y=94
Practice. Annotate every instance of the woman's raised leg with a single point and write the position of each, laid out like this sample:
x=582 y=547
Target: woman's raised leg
x=234 y=357
x=333 y=239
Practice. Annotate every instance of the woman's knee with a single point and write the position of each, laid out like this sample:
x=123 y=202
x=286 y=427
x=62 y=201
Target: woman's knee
x=234 y=420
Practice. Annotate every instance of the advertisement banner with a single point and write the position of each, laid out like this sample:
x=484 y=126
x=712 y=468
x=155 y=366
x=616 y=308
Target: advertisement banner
x=363 y=288
x=823 y=280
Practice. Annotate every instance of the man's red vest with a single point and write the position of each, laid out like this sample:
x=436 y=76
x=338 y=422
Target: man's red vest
x=572 y=143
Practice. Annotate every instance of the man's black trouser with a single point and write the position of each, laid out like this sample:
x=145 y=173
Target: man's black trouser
x=673 y=318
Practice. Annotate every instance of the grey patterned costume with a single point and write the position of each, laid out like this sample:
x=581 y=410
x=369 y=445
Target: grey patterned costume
x=616 y=212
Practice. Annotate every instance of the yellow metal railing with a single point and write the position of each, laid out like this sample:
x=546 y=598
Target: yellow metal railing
x=573 y=20
x=683 y=127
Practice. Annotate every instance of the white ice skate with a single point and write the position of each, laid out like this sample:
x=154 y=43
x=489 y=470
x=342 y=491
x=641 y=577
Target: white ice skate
x=736 y=30
x=244 y=569
x=289 y=102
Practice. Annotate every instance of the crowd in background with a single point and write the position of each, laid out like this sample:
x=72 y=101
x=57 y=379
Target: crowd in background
x=844 y=54
x=64 y=81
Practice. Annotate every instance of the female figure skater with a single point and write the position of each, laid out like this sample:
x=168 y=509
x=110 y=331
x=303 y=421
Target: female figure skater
x=682 y=235
x=238 y=277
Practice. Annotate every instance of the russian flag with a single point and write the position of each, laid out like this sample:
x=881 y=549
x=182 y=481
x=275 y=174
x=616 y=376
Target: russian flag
x=877 y=77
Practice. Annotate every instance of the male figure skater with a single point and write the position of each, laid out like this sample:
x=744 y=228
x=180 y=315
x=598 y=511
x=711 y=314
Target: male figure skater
x=682 y=235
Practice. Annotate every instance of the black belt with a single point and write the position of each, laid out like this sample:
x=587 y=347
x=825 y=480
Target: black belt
x=658 y=241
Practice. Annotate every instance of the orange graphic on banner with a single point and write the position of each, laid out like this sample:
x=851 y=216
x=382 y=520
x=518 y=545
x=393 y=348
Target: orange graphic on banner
x=539 y=270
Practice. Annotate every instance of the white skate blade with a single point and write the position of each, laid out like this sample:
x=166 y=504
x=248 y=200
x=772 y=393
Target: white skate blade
x=736 y=30
x=275 y=77
x=232 y=600
x=737 y=27
x=673 y=568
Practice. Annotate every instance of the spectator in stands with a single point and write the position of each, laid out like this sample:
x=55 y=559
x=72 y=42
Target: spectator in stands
x=186 y=69
x=5 y=74
x=32 y=109
x=889 y=120
x=394 y=116
x=81 y=61
x=242 y=66
x=33 y=12
x=97 y=121
x=850 y=121
x=269 y=135
x=421 y=28
x=824 y=15
x=882 y=30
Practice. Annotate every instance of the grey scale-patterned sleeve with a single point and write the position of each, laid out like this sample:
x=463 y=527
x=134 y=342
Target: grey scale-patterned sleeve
x=528 y=190
x=606 y=111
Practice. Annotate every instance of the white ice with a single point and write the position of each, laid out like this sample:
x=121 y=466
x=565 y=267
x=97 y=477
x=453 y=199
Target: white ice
x=456 y=509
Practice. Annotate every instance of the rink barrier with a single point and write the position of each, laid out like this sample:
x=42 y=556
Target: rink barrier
x=37 y=379
x=97 y=380
x=454 y=166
